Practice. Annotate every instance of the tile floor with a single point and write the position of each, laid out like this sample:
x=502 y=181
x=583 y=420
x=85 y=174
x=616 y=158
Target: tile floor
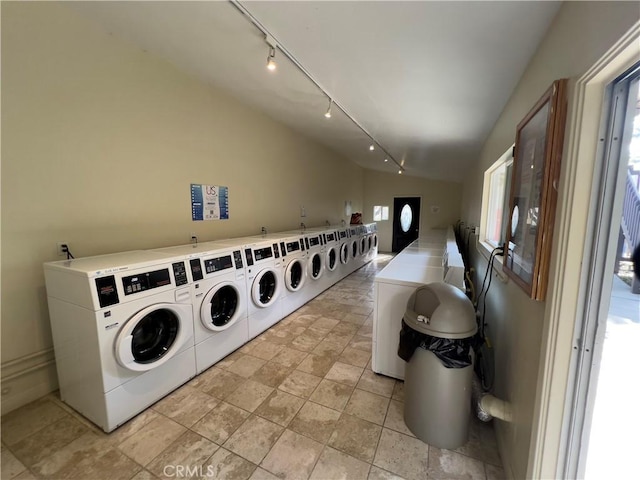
x=298 y=402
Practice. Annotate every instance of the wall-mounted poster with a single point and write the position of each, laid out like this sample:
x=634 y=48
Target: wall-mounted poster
x=209 y=202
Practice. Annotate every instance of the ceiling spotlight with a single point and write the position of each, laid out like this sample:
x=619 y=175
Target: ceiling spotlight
x=372 y=147
x=328 y=113
x=399 y=172
x=386 y=160
x=271 y=62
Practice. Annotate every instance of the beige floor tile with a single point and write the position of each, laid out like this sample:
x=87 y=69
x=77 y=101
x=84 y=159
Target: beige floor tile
x=356 y=437
x=339 y=338
x=186 y=405
x=48 y=440
x=27 y=420
x=280 y=407
x=219 y=424
x=87 y=457
x=254 y=439
x=229 y=359
x=355 y=318
x=249 y=395
x=300 y=384
x=292 y=457
x=306 y=319
x=374 y=383
x=266 y=350
x=315 y=421
x=365 y=331
x=190 y=449
x=144 y=475
x=445 y=465
x=376 y=473
x=271 y=374
x=395 y=418
x=356 y=357
x=10 y=465
x=367 y=406
x=306 y=342
x=261 y=474
x=344 y=328
x=219 y=383
x=144 y=445
x=361 y=343
x=398 y=391
x=225 y=465
x=126 y=430
x=402 y=455
x=494 y=473
x=324 y=323
x=327 y=347
x=344 y=373
x=246 y=366
x=332 y=394
x=334 y=464
x=482 y=444
x=316 y=364
x=289 y=357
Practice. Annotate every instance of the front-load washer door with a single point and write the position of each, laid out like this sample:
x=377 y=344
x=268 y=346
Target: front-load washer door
x=221 y=307
x=294 y=275
x=265 y=288
x=363 y=246
x=331 y=259
x=315 y=266
x=344 y=253
x=152 y=336
x=375 y=240
x=354 y=248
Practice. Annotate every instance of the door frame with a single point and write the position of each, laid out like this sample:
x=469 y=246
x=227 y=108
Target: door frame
x=548 y=451
x=393 y=214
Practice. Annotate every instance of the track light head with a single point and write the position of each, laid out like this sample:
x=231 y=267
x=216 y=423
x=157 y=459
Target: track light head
x=386 y=160
x=399 y=172
x=372 y=147
x=271 y=62
x=328 y=112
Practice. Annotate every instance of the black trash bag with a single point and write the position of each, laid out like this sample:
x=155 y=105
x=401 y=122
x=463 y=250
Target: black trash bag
x=453 y=353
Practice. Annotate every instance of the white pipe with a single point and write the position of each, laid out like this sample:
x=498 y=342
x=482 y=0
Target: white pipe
x=496 y=408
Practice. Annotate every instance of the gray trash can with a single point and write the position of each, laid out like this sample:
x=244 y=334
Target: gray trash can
x=435 y=340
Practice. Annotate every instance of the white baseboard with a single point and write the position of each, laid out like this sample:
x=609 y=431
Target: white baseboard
x=27 y=378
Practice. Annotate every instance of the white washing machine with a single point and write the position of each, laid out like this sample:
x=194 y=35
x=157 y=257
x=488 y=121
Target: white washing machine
x=372 y=241
x=295 y=258
x=355 y=248
x=219 y=292
x=344 y=252
x=331 y=258
x=265 y=281
x=122 y=330
x=315 y=244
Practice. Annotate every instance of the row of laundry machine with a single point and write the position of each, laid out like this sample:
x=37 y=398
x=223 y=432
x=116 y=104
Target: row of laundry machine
x=129 y=328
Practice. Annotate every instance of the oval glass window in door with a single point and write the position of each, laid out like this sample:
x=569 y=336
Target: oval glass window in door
x=331 y=259
x=316 y=265
x=267 y=288
x=406 y=216
x=153 y=335
x=294 y=275
x=223 y=306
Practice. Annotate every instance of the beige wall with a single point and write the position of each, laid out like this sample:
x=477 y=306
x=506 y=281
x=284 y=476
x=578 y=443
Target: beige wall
x=100 y=144
x=581 y=33
x=380 y=188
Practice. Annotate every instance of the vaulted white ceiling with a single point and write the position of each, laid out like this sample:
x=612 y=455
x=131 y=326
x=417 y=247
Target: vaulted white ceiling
x=427 y=80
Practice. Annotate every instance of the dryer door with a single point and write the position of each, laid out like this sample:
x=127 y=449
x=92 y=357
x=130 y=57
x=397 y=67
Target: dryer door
x=152 y=336
x=331 y=259
x=354 y=248
x=265 y=288
x=363 y=246
x=315 y=266
x=344 y=253
x=221 y=307
x=294 y=275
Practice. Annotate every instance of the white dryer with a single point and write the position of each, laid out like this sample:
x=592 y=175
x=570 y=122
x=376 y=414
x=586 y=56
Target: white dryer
x=331 y=258
x=372 y=241
x=355 y=248
x=122 y=330
x=294 y=256
x=315 y=244
x=219 y=292
x=344 y=252
x=265 y=282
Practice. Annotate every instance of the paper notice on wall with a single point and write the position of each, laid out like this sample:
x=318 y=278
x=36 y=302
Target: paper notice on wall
x=209 y=202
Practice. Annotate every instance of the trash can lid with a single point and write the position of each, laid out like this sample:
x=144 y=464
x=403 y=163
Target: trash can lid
x=441 y=310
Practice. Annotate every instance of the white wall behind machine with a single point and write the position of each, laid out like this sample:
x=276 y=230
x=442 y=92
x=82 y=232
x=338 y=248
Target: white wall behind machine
x=101 y=144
